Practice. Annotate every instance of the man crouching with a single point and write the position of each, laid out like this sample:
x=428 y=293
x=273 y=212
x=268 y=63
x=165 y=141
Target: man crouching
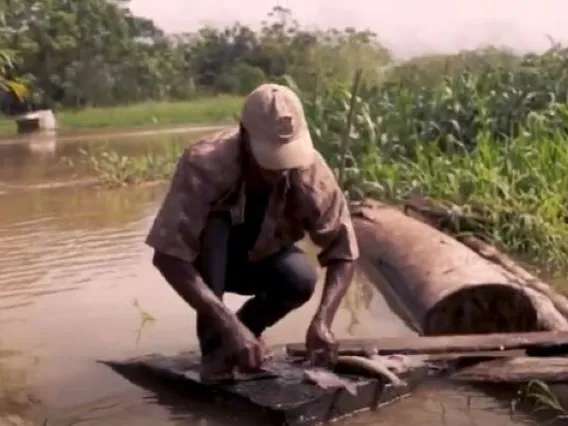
x=238 y=202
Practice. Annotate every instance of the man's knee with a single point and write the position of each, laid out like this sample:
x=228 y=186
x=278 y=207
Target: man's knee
x=297 y=278
x=305 y=286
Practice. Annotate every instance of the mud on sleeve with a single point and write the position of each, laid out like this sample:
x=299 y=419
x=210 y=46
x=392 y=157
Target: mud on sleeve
x=178 y=225
x=329 y=221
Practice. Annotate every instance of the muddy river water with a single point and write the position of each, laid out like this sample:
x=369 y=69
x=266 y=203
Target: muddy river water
x=76 y=278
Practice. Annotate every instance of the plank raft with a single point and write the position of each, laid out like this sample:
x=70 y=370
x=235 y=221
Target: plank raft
x=281 y=397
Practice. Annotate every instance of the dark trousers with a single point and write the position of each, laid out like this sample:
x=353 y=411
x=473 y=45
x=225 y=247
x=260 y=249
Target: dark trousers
x=279 y=283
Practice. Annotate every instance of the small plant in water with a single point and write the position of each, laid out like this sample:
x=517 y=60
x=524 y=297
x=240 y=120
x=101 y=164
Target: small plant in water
x=541 y=398
x=114 y=168
x=145 y=319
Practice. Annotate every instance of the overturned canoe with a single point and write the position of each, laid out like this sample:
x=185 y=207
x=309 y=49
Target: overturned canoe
x=443 y=286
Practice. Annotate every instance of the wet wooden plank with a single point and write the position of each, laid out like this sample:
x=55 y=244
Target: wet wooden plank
x=558 y=340
x=453 y=356
x=282 y=400
x=516 y=370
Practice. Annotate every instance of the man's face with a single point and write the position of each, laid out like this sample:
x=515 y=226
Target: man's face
x=269 y=177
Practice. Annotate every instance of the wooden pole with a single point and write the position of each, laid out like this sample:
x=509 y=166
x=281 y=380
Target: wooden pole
x=349 y=123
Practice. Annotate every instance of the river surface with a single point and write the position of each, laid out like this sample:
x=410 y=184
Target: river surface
x=76 y=281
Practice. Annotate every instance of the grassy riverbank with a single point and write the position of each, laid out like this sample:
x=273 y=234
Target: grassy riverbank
x=489 y=137
x=205 y=111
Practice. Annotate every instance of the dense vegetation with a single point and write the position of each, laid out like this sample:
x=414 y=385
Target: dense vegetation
x=491 y=136
x=13 y=91
x=96 y=53
x=485 y=129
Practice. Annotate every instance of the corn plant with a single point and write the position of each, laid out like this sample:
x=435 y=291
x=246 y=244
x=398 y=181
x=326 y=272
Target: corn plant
x=487 y=135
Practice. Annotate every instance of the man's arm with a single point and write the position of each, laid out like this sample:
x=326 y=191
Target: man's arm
x=331 y=228
x=189 y=285
x=198 y=182
x=176 y=231
x=339 y=275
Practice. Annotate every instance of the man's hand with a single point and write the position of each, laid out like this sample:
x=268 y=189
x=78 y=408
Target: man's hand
x=320 y=344
x=241 y=347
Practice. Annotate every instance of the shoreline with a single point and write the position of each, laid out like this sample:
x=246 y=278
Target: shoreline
x=206 y=111
x=136 y=132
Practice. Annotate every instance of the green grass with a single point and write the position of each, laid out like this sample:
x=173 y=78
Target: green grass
x=7 y=127
x=115 y=169
x=517 y=186
x=516 y=181
x=206 y=111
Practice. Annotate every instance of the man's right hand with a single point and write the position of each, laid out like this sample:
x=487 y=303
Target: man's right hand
x=242 y=347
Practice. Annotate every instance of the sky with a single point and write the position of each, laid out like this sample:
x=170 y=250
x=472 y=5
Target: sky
x=407 y=27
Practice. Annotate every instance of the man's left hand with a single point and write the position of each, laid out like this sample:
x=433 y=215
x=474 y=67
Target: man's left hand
x=320 y=344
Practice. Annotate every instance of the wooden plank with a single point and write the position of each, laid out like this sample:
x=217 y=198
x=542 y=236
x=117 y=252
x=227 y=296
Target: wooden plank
x=446 y=344
x=516 y=370
x=453 y=356
x=282 y=400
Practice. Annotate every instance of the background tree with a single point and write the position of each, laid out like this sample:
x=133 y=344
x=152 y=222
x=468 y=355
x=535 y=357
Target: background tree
x=96 y=52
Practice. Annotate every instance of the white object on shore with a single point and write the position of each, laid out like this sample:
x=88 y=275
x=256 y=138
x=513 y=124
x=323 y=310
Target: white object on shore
x=36 y=121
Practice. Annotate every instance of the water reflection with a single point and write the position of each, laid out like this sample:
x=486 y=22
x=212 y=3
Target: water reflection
x=41 y=144
x=357 y=299
x=183 y=410
x=82 y=208
x=445 y=405
x=16 y=393
x=60 y=239
x=41 y=160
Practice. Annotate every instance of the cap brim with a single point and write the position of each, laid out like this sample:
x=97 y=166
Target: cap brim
x=296 y=153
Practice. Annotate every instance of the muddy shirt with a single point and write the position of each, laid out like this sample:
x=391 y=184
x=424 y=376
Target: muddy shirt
x=208 y=177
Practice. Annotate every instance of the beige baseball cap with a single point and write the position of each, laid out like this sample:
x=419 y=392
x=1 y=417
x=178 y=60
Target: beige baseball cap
x=274 y=118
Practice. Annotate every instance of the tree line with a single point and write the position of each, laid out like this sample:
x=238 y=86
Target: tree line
x=74 y=54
